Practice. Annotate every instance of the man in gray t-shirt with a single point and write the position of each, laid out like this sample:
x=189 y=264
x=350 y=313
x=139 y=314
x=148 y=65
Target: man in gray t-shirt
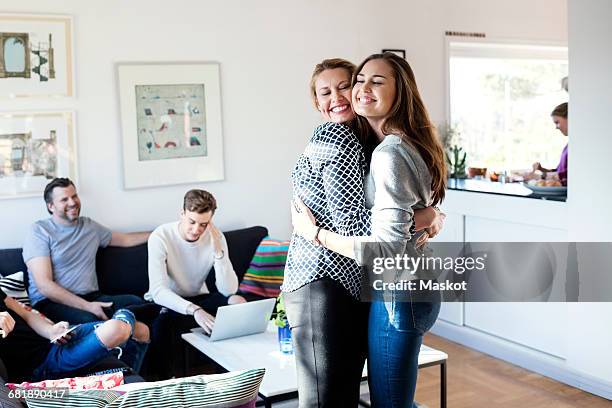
x=72 y=250
x=60 y=253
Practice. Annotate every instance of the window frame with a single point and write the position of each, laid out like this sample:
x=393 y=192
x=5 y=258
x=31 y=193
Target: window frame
x=505 y=48
x=514 y=48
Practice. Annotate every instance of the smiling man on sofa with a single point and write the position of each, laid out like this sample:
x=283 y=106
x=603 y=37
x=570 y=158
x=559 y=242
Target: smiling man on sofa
x=60 y=253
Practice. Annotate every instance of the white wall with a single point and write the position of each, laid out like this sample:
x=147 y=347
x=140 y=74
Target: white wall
x=267 y=50
x=590 y=64
x=584 y=340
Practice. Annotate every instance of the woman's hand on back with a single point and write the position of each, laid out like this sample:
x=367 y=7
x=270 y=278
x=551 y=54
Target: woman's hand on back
x=437 y=225
x=434 y=228
x=304 y=223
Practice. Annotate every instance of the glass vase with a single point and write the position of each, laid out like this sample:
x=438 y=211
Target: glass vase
x=284 y=339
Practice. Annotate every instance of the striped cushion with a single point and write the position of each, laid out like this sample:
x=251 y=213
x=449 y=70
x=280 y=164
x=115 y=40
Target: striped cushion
x=14 y=287
x=72 y=398
x=236 y=389
x=265 y=274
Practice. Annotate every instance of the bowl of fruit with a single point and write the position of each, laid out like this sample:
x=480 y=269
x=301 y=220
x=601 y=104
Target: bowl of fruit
x=546 y=187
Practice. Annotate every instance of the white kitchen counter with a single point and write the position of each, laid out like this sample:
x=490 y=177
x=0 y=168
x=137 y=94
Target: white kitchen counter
x=510 y=209
x=531 y=335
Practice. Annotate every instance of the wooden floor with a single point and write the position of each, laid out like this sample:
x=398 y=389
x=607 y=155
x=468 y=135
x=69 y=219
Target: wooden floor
x=477 y=380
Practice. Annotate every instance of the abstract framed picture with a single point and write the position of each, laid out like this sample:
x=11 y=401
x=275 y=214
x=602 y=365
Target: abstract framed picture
x=171 y=123
x=35 y=147
x=36 y=56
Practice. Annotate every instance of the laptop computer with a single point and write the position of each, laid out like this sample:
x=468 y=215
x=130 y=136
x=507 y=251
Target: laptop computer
x=239 y=320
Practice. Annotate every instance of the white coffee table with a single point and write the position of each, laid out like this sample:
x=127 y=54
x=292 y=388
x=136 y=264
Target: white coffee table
x=280 y=381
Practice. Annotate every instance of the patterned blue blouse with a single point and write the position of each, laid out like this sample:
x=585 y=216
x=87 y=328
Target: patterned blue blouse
x=329 y=178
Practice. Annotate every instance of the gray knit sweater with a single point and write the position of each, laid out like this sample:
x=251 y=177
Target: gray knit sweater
x=399 y=182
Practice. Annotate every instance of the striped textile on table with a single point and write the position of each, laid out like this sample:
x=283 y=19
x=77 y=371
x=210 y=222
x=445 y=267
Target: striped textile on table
x=265 y=274
x=237 y=389
x=14 y=287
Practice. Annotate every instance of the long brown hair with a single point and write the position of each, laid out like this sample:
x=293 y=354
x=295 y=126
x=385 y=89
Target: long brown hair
x=409 y=116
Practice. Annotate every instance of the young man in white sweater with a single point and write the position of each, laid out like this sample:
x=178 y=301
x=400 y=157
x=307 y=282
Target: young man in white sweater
x=182 y=254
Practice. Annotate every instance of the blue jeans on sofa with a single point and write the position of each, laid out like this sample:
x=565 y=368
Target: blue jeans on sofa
x=85 y=348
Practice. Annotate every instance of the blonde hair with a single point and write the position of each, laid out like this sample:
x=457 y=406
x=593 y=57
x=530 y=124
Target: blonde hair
x=331 y=63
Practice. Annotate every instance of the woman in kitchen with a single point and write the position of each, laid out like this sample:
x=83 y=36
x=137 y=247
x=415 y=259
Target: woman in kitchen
x=559 y=117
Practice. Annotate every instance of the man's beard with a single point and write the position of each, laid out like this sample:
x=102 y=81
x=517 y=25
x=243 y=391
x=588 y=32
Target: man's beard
x=69 y=217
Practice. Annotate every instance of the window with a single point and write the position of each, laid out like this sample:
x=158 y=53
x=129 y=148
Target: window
x=501 y=96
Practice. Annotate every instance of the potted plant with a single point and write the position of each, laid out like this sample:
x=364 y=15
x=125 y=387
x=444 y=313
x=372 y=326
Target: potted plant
x=450 y=136
x=456 y=162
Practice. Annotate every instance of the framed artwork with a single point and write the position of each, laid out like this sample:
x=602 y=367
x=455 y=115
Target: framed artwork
x=399 y=53
x=171 y=123
x=35 y=147
x=35 y=56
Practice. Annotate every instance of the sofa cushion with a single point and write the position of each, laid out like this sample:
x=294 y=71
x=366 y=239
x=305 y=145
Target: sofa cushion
x=265 y=274
x=241 y=244
x=14 y=286
x=230 y=390
x=105 y=381
x=123 y=270
x=11 y=261
x=72 y=399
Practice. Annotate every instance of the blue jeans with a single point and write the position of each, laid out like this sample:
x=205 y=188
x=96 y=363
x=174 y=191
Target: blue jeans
x=395 y=335
x=85 y=348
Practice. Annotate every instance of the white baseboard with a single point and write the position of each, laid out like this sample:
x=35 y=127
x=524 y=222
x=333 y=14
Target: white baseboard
x=532 y=360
